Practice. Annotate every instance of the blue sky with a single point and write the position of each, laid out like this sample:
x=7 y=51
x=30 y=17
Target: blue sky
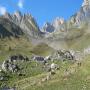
x=42 y=10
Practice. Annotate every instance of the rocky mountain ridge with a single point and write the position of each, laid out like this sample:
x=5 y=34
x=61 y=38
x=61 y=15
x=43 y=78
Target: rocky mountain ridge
x=25 y=22
x=76 y=20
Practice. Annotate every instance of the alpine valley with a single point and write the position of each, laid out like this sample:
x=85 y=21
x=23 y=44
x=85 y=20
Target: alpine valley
x=54 y=57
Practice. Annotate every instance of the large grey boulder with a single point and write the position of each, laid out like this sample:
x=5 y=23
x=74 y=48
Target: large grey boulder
x=38 y=58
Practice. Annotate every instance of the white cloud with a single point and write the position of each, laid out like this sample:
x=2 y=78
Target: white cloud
x=20 y=4
x=2 y=10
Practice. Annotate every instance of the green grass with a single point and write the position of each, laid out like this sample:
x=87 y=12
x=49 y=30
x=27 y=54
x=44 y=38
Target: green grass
x=79 y=80
x=14 y=46
x=26 y=83
x=29 y=69
x=22 y=46
x=42 y=49
x=80 y=43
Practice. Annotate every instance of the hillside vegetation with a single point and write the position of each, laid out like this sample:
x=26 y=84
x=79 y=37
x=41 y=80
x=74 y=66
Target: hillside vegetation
x=78 y=79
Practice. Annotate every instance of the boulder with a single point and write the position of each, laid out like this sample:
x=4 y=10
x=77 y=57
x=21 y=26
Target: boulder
x=47 y=58
x=68 y=55
x=38 y=58
x=7 y=66
x=13 y=68
x=20 y=57
x=53 y=66
x=2 y=78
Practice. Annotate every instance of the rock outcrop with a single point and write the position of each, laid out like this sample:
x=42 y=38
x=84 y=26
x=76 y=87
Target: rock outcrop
x=48 y=28
x=58 y=24
x=83 y=15
x=10 y=64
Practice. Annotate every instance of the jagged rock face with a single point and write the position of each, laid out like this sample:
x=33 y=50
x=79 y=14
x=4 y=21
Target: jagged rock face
x=70 y=29
x=83 y=15
x=48 y=28
x=17 y=15
x=57 y=25
x=26 y=22
x=86 y=2
x=57 y=30
x=77 y=20
x=58 y=22
x=29 y=26
x=8 y=29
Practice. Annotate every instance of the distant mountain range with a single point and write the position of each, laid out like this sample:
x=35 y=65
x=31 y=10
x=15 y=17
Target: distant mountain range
x=76 y=21
x=56 y=34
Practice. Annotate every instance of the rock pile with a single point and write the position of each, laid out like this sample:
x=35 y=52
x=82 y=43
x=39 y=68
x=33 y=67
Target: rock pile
x=10 y=65
x=60 y=55
x=63 y=55
x=67 y=55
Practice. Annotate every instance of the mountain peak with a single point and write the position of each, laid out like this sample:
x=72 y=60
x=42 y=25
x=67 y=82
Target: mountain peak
x=58 y=21
x=48 y=27
x=86 y=3
x=7 y=15
x=18 y=14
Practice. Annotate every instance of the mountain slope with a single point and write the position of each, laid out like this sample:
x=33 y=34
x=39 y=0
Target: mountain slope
x=42 y=49
x=8 y=29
